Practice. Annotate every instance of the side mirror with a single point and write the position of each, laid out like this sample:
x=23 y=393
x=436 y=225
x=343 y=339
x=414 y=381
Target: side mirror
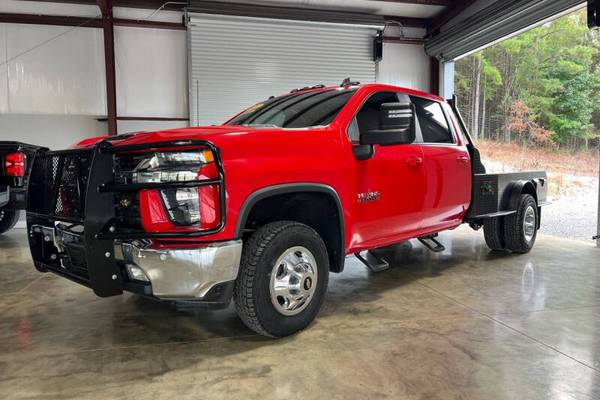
x=396 y=125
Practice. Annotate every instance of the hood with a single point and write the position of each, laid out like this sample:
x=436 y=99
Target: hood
x=214 y=134
x=239 y=143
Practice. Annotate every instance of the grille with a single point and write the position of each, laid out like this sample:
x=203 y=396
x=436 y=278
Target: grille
x=128 y=210
x=59 y=183
x=73 y=246
x=127 y=204
x=125 y=164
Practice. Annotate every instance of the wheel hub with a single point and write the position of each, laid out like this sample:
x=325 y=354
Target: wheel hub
x=529 y=224
x=293 y=281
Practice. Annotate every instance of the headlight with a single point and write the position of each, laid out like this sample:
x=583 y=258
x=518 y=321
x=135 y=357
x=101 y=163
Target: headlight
x=195 y=206
x=167 y=167
x=183 y=205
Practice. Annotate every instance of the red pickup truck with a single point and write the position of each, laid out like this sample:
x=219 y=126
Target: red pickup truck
x=262 y=208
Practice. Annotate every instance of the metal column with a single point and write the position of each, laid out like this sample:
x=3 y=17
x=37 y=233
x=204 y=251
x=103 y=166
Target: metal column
x=109 y=62
x=447 y=79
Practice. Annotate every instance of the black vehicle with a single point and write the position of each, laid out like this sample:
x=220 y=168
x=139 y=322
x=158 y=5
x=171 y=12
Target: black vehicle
x=15 y=164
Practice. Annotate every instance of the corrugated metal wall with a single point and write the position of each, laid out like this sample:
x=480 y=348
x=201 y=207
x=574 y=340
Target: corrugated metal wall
x=235 y=62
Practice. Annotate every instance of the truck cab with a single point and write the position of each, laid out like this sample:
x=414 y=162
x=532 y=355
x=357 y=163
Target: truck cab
x=262 y=208
x=431 y=172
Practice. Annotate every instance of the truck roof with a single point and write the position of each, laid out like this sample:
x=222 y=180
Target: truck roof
x=377 y=86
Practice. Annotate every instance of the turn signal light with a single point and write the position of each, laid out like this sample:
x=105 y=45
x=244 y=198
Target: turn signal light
x=14 y=164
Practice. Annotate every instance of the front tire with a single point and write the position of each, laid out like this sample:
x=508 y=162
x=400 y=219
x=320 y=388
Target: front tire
x=283 y=278
x=520 y=228
x=8 y=219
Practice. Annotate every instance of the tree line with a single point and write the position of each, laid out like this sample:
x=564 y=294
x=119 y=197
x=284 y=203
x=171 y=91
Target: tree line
x=541 y=87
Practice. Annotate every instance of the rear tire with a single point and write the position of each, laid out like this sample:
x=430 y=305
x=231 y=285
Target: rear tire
x=493 y=231
x=8 y=220
x=283 y=278
x=520 y=228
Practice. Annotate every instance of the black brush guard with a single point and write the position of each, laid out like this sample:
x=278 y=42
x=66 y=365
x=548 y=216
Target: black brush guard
x=71 y=189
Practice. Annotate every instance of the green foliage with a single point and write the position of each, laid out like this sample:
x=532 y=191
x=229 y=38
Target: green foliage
x=554 y=70
x=492 y=79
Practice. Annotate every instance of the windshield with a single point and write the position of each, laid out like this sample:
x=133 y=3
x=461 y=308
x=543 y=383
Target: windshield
x=296 y=110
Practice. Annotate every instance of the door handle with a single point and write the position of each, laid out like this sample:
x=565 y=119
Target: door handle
x=414 y=161
x=462 y=159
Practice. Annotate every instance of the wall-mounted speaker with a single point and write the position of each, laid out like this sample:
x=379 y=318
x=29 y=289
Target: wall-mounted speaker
x=378 y=47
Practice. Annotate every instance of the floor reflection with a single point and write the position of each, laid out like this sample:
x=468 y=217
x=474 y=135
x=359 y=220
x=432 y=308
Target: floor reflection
x=462 y=323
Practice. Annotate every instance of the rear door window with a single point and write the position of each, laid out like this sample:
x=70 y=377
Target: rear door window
x=367 y=117
x=432 y=121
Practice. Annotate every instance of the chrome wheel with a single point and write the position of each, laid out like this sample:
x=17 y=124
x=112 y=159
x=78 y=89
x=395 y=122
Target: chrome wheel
x=529 y=224
x=293 y=281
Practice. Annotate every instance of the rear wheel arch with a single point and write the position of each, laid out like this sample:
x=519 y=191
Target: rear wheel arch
x=285 y=202
x=516 y=190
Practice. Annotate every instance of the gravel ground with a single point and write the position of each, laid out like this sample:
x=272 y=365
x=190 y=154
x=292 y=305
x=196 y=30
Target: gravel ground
x=573 y=213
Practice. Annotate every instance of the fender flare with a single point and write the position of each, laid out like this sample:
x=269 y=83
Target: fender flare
x=289 y=188
x=514 y=191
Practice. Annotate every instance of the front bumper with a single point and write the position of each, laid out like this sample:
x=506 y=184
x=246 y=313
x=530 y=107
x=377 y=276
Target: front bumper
x=183 y=274
x=75 y=230
x=202 y=273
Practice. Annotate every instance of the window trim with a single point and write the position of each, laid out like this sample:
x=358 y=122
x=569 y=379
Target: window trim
x=361 y=106
x=456 y=127
x=448 y=123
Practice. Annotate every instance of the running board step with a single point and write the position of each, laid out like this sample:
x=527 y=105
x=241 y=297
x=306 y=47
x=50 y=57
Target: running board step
x=374 y=262
x=432 y=244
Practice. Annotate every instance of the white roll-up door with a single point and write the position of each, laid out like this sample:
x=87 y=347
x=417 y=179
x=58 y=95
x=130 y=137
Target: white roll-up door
x=235 y=62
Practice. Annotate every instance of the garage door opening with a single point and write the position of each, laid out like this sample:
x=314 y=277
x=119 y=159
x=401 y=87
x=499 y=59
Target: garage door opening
x=533 y=102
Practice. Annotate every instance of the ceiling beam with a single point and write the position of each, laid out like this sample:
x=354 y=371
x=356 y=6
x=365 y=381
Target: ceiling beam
x=444 y=3
x=403 y=40
x=84 y=22
x=284 y=12
x=143 y=23
x=59 y=20
x=174 y=5
x=409 y=22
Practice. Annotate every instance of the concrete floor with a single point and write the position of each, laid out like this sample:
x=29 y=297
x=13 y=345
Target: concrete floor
x=464 y=324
